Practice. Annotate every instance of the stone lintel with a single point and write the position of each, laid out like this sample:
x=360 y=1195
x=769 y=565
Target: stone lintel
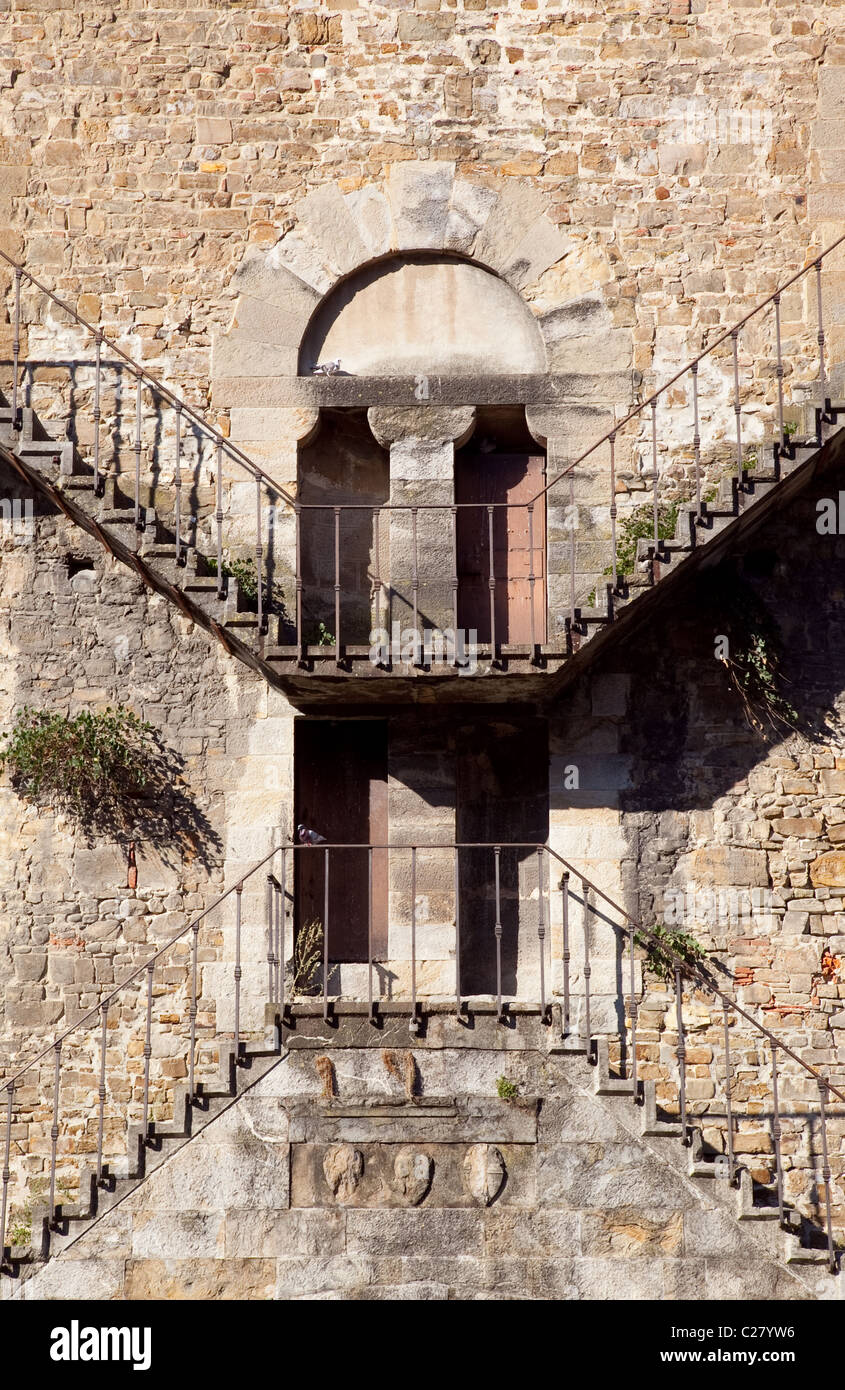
x=363 y=392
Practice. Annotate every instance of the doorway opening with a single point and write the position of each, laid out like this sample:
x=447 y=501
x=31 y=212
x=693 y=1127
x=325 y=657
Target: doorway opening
x=501 y=543
x=340 y=791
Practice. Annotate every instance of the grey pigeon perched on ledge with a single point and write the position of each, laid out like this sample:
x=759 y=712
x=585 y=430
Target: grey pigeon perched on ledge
x=309 y=837
x=327 y=368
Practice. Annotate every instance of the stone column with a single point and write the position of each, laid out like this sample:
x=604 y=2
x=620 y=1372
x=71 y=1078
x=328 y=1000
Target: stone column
x=271 y=438
x=420 y=577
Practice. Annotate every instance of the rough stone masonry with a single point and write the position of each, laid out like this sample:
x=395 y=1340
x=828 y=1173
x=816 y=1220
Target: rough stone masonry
x=150 y=159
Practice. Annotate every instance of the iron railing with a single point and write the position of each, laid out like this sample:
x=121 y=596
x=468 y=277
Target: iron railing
x=554 y=875
x=376 y=583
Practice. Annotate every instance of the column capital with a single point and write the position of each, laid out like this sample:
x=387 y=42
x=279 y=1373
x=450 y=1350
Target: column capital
x=433 y=423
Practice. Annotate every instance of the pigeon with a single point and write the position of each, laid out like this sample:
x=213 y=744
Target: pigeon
x=327 y=368
x=309 y=837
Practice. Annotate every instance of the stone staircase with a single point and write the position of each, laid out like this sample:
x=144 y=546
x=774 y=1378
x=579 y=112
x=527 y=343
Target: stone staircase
x=795 y=1243
x=737 y=509
x=240 y=1068
x=228 y=611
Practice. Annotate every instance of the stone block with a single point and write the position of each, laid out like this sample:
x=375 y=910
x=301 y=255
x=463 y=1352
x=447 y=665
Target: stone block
x=200 y=1279
x=470 y=206
x=419 y=195
x=807 y=827
x=716 y=865
x=370 y=212
x=179 y=1234
x=326 y=221
x=829 y=869
x=415 y=1232
x=542 y=246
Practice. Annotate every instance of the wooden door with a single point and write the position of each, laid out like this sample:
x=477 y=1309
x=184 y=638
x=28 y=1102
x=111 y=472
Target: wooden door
x=341 y=792
x=513 y=479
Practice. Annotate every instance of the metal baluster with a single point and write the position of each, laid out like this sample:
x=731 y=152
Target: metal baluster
x=281 y=915
x=192 y=1011
x=682 y=1052
x=16 y=352
x=237 y=972
x=458 y=999
x=95 y=414
x=325 y=933
x=259 y=560
x=177 y=483
x=492 y=584
x=497 y=853
x=271 y=940
x=587 y=968
x=572 y=552
x=101 y=1092
x=457 y=645
x=415 y=589
x=633 y=1010
x=218 y=519
x=299 y=642
x=148 y=1048
x=654 y=480
x=531 y=578
x=564 y=888
x=377 y=586
x=728 y=1102
x=7 y=1149
x=139 y=410
x=414 y=1022
x=820 y=336
x=779 y=372
x=737 y=414
x=831 y=1254
x=337 y=585
x=54 y=1130
x=613 y=508
x=541 y=931
x=776 y=1129
x=370 y=931
x=696 y=439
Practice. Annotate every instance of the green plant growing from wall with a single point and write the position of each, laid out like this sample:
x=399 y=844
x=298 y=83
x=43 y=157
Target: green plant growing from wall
x=20 y=1230
x=662 y=945
x=80 y=764
x=639 y=525
x=244 y=571
x=506 y=1089
x=752 y=654
x=302 y=969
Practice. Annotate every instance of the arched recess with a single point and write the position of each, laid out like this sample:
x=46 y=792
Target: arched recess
x=424 y=312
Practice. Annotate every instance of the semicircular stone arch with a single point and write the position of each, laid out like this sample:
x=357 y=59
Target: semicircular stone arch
x=424 y=312
x=501 y=237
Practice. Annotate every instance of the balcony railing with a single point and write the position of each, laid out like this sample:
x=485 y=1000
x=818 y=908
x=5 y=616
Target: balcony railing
x=396 y=560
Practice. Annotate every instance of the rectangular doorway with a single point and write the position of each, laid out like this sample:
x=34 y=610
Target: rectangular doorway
x=340 y=790
x=502 y=799
x=514 y=479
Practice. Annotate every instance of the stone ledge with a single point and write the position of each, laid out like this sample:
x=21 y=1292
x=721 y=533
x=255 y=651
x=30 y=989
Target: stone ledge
x=277 y=390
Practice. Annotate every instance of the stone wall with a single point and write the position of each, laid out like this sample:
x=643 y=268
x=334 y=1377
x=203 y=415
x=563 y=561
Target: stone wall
x=80 y=632
x=732 y=832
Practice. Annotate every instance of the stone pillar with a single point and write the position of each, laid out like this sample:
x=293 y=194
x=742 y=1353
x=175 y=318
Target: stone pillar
x=271 y=438
x=420 y=577
x=578 y=512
